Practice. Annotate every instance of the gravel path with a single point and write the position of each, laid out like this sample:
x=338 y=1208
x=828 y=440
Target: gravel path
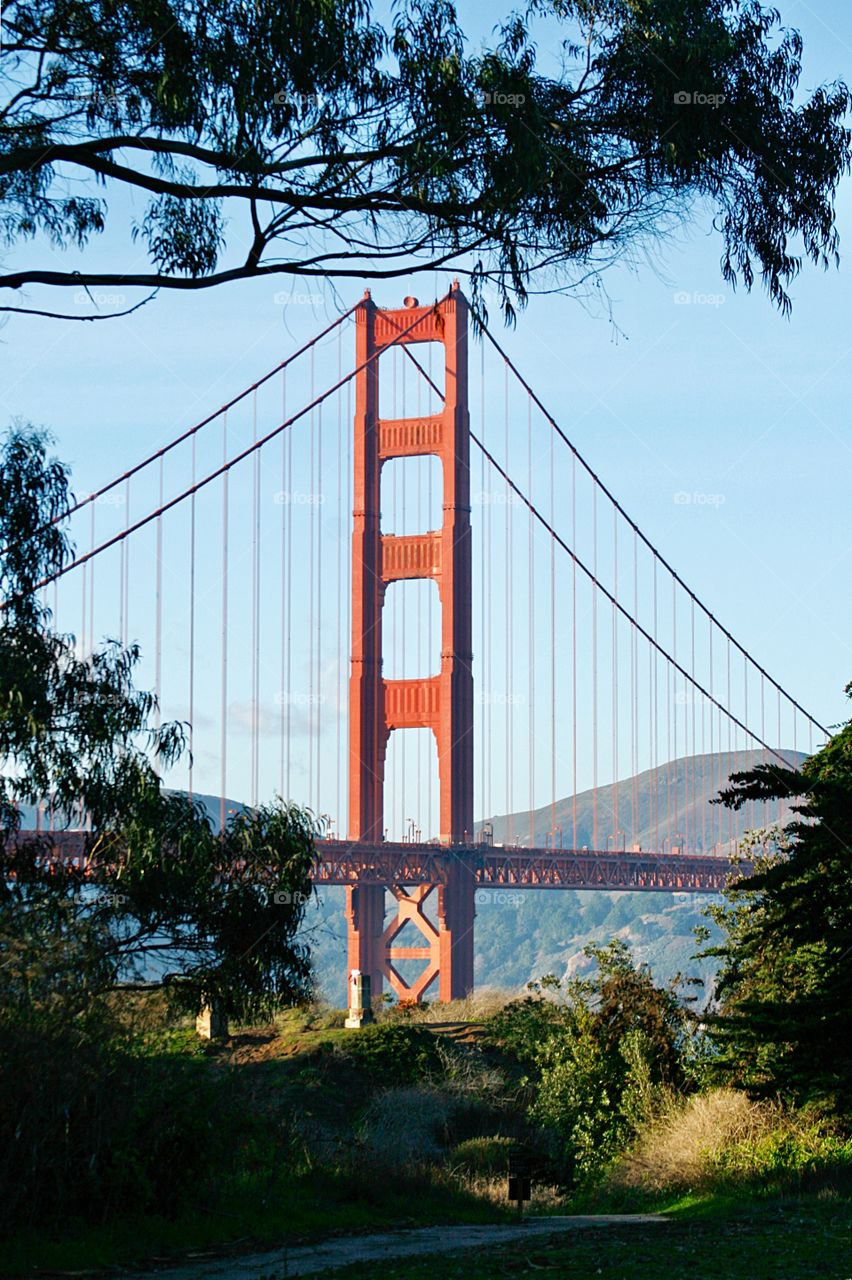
x=306 y=1260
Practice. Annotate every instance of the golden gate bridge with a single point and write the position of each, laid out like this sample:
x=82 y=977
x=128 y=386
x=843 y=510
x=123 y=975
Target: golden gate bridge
x=410 y=600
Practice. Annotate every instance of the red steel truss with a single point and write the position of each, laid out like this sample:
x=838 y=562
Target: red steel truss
x=442 y=703
x=414 y=866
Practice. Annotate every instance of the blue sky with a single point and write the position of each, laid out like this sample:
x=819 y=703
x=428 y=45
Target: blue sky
x=700 y=392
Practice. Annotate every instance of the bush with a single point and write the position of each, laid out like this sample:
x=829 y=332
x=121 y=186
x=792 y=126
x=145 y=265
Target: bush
x=395 y=1053
x=483 y=1157
x=722 y=1139
x=87 y=1130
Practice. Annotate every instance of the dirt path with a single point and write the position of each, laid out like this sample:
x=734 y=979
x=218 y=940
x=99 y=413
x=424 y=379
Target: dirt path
x=305 y=1260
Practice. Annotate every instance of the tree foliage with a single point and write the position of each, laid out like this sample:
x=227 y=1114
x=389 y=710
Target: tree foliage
x=159 y=891
x=785 y=983
x=308 y=139
x=600 y=1055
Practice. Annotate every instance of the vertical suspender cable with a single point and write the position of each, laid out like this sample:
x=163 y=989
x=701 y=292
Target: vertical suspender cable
x=634 y=697
x=317 y=507
x=574 y=652
x=595 y=836
x=223 y=746
x=125 y=628
x=284 y=690
x=341 y=643
x=616 y=826
x=531 y=632
x=310 y=627
x=729 y=768
x=255 y=610
x=483 y=590
x=92 y=586
x=655 y=719
x=749 y=808
x=552 y=644
x=158 y=680
x=671 y=721
x=711 y=690
x=192 y=624
x=510 y=673
x=84 y=612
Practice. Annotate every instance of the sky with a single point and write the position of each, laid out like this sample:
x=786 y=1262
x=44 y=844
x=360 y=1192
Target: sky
x=720 y=425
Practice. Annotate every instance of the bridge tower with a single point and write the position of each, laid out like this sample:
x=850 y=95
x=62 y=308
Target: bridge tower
x=442 y=703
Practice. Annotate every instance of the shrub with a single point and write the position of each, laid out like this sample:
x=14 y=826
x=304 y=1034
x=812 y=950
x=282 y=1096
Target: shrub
x=484 y=1157
x=724 y=1139
x=405 y=1127
x=87 y=1130
x=395 y=1053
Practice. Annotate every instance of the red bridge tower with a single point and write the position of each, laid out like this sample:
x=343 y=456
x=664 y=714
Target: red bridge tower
x=442 y=703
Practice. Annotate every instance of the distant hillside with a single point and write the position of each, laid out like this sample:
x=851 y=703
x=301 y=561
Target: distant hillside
x=679 y=792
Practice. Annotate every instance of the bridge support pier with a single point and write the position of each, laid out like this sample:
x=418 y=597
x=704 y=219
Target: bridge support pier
x=365 y=916
x=442 y=702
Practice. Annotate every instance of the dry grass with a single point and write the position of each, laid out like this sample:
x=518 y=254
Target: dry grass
x=405 y=1127
x=682 y=1147
x=477 y=1007
x=494 y=1188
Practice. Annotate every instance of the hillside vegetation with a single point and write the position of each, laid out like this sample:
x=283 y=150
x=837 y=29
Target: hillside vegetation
x=299 y=1129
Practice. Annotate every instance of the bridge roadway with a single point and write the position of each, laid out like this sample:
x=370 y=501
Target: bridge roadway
x=345 y=862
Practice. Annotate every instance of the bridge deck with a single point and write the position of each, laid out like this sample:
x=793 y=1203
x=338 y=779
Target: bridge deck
x=344 y=862
x=516 y=866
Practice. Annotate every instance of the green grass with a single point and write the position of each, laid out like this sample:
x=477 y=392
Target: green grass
x=269 y=1185
x=314 y=1206
x=787 y=1240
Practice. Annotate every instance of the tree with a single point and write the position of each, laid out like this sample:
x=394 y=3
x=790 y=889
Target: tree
x=216 y=913
x=785 y=983
x=603 y=1052
x=307 y=140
